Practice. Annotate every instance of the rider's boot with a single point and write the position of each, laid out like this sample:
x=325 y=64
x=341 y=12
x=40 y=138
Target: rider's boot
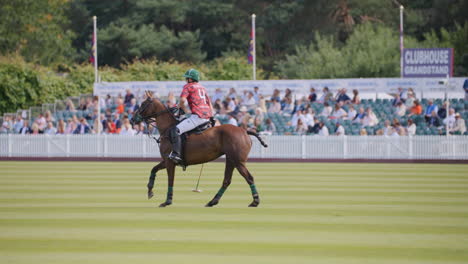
x=176 y=146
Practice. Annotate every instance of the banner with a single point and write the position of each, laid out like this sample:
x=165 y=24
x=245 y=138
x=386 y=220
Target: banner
x=437 y=62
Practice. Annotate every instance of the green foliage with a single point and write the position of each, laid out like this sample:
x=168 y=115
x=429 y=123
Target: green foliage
x=36 y=29
x=231 y=68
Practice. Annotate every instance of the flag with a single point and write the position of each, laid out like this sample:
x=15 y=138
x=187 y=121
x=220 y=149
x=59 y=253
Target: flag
x=251 y=55
x=92 y=57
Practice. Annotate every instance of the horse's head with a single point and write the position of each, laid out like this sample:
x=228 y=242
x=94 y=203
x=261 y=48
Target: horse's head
x=147 y=110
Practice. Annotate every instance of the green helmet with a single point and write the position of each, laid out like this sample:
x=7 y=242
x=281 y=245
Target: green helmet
x=192 y=74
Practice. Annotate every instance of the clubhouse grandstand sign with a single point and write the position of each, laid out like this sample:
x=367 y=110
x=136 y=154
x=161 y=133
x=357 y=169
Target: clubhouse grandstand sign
x=428 y=62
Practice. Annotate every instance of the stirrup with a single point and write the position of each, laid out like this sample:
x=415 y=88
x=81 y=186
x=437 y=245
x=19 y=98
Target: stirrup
x=175 y=158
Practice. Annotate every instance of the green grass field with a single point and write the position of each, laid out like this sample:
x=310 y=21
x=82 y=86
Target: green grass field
x=97 y=212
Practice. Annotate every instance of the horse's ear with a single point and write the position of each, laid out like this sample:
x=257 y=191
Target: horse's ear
x=148 y=94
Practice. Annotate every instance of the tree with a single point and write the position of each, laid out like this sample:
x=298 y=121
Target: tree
x=36 y=29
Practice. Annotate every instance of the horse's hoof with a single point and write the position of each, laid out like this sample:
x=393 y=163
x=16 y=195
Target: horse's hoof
x=165 y=204
x=211 y=204
x=254 y=204
x=150 y=195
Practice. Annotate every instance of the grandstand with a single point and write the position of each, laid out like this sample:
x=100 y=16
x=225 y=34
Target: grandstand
x=73 y=109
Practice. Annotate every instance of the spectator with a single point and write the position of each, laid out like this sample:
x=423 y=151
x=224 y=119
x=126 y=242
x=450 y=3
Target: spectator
x=128 y=98
x=403 y=94
x=410 y=101
x=41 y=122
x=276 y=96
x=287 y=107
x=301 y=128
x=323 y=129
x=459 y=125
x=360 y=116
x=398 y=127
x=83 y=127
x=18 y=124
x=351 y=113
x=217 y=106
x=339 y=131
x=171 y=98
x=342 y=98
x=244 y=97
x=396 y=100
x=275 y=106
x=393 y=132
x=434 y=120
x=140 y=129
x=109 y=126
x=61 y=127
x=370 y=119
x=249 y=101
x=109 y=100
x=258 y=115
x=218 y=95
x=256 y=95
x=120 y=106
x=71 y=125
x=326 y=95
x=400 y=109
x=82 y=106
x=387 y=128
x=89 y=103
x=431 y=107
x=231 y=104
x=315 y=128
x=127 y=129
x=411 y=128
x=69 y=106
x=35 y=129
x=356 y=98
x=50 y=129
x=270 y=127
x=298 y=105
x=232 y=93
x=312 y=96
x=450 y=119
x=134 y=106
x=442 y=113
x=118 y=124
x=309 y=117
x=363 y=132
x=25 y=129
x=232 y=120
x=416 y=109
x=48 y=116
x=338 y=112
x=327 y=110
x=7 y=125
x=298 y=115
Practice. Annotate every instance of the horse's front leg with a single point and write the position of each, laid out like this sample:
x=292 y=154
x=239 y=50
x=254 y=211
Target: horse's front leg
x=170 y=167
x=161 y=165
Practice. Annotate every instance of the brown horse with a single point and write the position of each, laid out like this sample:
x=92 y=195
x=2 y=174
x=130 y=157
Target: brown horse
x=229 y=140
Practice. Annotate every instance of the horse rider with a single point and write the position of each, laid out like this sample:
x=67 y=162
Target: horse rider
x=200 y=105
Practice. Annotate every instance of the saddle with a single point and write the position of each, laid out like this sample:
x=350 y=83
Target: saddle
x=180 y=116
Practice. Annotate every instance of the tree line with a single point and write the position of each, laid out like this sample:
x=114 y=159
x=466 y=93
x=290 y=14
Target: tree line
x=295 y=38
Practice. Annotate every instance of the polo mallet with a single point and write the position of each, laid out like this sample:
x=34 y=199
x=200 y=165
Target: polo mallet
x=198 y=182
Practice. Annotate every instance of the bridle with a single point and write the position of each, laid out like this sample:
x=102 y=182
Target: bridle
x=149 y=119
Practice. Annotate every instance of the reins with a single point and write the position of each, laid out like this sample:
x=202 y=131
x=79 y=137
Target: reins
x=151 y=118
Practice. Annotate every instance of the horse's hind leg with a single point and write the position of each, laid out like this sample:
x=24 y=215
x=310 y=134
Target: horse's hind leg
x=226 y=182
x=250 y=180
x=161 y=165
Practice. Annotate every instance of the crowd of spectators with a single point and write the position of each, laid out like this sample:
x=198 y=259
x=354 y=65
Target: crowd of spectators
x=256 y=112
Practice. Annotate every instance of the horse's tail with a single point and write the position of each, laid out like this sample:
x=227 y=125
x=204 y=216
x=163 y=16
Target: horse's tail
x=258 y=137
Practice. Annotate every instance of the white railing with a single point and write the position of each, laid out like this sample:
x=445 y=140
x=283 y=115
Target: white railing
x=283 y=147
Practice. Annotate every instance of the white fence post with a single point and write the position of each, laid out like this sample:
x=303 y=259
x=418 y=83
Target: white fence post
x=303 y=147
x=345 y=147
x=67 y=145
x=105 y=145
x=10 y=146
x=410 y=150
x=48 y=139
x=143 y=145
